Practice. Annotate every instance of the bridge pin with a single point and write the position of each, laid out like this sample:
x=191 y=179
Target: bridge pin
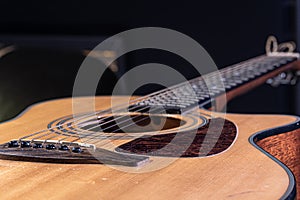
x=37 y=145
x=13 y=143
x=64 y=148
x=50 y=146
x=25 y=144
x=76 y=150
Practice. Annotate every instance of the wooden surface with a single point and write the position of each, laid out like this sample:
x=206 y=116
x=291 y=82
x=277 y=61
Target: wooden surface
x=162 y=145
x=240 y=172
x=285 y=147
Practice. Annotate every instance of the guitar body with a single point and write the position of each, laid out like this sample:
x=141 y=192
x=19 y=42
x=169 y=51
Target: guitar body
x=241 y=171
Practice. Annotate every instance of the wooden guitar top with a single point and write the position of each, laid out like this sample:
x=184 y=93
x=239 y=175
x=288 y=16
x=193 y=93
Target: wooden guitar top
x=240 y=172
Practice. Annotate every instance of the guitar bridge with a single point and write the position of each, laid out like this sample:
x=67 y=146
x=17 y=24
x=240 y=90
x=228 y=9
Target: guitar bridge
x=66 y=152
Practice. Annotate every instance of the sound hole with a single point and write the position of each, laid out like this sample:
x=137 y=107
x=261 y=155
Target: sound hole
x=132 y=123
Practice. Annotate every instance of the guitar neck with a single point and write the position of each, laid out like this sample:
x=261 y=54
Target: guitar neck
x=232 y=80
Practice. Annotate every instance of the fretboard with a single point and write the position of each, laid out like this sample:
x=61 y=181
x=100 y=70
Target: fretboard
x=201 y=90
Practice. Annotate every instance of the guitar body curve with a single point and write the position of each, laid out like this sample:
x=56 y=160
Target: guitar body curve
x=240 y=172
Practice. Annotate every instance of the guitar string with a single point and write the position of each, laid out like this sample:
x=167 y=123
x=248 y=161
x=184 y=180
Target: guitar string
x=232 y=68
x=211 y=75
x=74 y=134
x=223 y=78
x=106 y=111
x=119 y=129
x=109 y=121
x=267 y=49
x=103 y=137
x=111 y=132
x=100 y=124
x=121 y=122
x=172 y=91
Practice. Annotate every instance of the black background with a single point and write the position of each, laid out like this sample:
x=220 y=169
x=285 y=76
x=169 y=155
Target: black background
x=231 y=31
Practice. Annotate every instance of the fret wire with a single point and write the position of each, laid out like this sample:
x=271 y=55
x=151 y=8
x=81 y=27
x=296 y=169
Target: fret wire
x=232 y=80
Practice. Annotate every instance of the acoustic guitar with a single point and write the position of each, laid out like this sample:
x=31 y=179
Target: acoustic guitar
x=160 y=148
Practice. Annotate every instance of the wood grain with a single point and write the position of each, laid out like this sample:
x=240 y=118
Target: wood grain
x=285 y=147
x=185 y=146
x=240 y=172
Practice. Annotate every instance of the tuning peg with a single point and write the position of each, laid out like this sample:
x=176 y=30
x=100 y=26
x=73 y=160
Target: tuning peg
x=284 y=78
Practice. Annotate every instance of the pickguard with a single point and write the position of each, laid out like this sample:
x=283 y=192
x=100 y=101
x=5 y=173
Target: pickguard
x=204 y=141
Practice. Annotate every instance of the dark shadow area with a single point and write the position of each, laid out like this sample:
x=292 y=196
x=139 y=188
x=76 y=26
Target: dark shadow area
x=231 y=31
x=30 y=75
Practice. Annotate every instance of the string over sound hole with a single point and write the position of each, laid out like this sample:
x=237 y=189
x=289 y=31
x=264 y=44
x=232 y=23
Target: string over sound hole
x=132 y=123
